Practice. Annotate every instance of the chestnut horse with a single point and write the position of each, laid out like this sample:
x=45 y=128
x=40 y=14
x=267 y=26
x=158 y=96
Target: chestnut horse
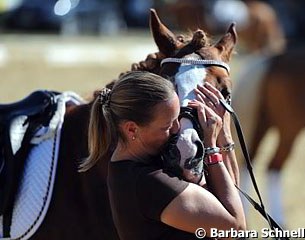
x=80 y=208
x=273 y=73
x=270 y=94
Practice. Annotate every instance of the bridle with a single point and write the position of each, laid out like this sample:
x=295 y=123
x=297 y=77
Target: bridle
x=192 y=61
x=188 y=113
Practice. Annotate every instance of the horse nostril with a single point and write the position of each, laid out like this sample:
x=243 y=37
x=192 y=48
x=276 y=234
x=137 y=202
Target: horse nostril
x=226 y=92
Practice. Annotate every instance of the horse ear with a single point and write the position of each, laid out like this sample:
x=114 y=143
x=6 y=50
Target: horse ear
x=164 y=38
x=227 y=43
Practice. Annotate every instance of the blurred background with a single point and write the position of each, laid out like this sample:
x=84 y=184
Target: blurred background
x=81 y=45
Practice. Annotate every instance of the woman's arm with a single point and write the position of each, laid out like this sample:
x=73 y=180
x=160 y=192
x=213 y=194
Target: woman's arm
x=197 y=208
x=225 y=141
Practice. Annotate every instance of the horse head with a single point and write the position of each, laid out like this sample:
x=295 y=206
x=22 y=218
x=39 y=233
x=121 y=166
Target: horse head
x=188 y=62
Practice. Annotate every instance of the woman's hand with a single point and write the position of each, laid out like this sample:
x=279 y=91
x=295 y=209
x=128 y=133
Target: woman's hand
x=210 y=96
x=210 y=122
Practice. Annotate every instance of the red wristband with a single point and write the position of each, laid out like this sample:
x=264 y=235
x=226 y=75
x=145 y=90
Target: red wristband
x=213 y=158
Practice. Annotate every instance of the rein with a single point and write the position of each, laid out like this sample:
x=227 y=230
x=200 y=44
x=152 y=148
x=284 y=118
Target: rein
x=187 y=113
x=258 y=206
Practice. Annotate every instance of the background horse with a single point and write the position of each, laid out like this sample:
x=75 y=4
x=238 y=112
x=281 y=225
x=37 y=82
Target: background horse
x=262 y=34
x=268 y=89
x=258 y=24
x=80 y=208
x=270 y=95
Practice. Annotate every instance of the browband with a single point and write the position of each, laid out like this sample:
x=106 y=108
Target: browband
x=197 y=62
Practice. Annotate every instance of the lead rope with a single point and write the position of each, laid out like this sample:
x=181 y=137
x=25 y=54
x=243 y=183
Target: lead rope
x=259 y=207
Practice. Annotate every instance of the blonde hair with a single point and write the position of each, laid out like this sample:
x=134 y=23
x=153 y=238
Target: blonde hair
x=132 y=98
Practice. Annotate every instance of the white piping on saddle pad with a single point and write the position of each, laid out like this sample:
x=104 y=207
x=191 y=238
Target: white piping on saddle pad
x=186 y=80
x=17 y=131
x=37 y=181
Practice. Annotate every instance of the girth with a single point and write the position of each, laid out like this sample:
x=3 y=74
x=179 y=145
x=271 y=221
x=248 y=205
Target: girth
x=38 y=108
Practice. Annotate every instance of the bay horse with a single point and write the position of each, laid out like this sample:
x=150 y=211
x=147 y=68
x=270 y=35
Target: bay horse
x=79 y=208
x=270 y=94
x=268 y=76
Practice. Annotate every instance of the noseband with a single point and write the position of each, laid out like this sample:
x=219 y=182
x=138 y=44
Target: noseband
x=196 y=162
x=191 y=114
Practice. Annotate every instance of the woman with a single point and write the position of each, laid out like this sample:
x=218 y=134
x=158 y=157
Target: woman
x=131 y=123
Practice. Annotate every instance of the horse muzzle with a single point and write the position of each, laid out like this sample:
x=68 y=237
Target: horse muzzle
x=184 y=154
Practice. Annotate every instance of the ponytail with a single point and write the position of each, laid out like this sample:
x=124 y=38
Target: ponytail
x=100 y=136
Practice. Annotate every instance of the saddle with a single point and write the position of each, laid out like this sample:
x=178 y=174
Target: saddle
x=35 y=111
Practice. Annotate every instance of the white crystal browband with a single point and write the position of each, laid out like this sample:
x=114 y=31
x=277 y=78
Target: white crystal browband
x=197 y=62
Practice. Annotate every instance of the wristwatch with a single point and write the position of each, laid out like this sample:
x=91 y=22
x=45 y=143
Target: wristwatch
x=214 y=158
